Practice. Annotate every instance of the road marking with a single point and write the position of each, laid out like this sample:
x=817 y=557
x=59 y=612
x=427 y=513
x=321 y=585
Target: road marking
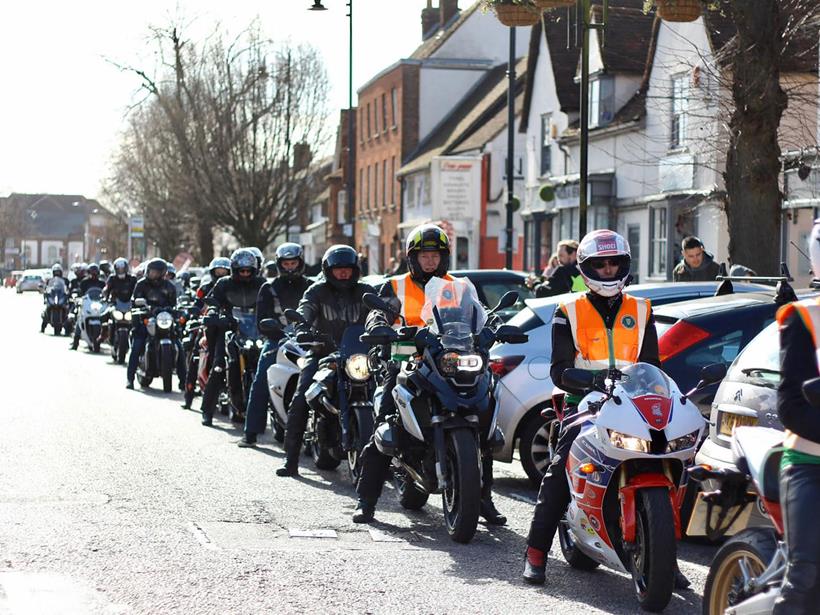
x=378 y=536
x=296 y=533
x=202 y=537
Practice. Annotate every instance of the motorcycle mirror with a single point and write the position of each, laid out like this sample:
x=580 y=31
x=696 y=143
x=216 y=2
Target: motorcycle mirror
x=509 y=299
x=268 y=326
x=140 y=302
x=811 y=391
x=294 y=316
x=381 y=334
x=374 y=302
x=510 y=334
x=710 y=374
x=575 y=378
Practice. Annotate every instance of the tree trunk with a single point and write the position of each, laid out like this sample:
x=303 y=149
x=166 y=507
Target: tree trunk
x=205 y=241
x=753 y=160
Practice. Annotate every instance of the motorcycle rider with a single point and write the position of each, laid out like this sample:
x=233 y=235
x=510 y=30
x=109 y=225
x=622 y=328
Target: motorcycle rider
x=329 y=306
x=428 y=255
x=105 y=269
x=240 y=289
x=271 y=270
x=580 y=330
x=120 y=285
x=277 y=295
x=79 y=270
x=800 y=465
x=157 y=293
x=56 y=274
x=91 y=280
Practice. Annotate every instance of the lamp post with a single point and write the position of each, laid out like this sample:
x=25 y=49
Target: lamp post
x=508 y=249
x=350 y=184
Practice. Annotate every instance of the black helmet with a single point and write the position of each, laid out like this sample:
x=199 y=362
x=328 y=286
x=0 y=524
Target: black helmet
x=290 y=251
x=105 y=267
x=339 y=256
x=155 y=270
x=270 y=269
x=120 y=267
x=220 y=262
x=243 y=259
x=421 y=239
x=171 y=272
x=259 y=258
x=93 y=270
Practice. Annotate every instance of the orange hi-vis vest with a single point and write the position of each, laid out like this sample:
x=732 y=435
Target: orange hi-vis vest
x=809 y=312
x=597 y=347
x=411 y=296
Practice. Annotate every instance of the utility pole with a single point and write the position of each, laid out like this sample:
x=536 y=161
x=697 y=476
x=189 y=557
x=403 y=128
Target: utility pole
x=508 y=251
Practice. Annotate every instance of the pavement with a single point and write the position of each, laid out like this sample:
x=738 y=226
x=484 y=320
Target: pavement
x=116 y=501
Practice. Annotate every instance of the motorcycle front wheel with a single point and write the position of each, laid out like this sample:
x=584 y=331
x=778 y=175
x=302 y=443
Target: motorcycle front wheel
x=751 y=549
x=166 y=366
x=361 y=428
x=654 y=558
x=462 y=496
x=122 y=345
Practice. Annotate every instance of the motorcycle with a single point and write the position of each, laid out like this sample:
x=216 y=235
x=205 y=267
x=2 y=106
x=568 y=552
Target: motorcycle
x=283 y=376
x=626 y=474
x=56 y=310
x=444 y=400
x=90 y=312
x=242 y=348
x=119 y=329
x=340 y=397
x=159 y=357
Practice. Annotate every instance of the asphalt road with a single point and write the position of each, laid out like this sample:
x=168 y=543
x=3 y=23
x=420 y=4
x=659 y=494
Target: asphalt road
x=116 y=501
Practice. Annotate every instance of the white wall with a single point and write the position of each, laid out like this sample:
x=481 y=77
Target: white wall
x=482 y=36
x=75 y=252
x=50 y=259
x=440 y=90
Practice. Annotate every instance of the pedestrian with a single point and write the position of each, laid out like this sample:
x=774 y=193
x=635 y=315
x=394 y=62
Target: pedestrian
x=552 y=266
x=739 y=271
x=401 y=264
x=566 y=278
x=697 y=264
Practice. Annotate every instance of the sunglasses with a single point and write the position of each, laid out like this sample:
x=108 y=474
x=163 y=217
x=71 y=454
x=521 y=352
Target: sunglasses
x=604 y=262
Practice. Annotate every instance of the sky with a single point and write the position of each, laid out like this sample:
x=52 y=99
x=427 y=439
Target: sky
x=63 y=102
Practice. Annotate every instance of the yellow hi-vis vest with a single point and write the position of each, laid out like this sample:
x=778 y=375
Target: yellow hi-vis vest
x=597 y=347
x=809 y=312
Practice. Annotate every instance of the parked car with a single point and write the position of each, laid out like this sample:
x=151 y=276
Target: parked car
x=491 y=284
x=29 y=281
x=525 y=387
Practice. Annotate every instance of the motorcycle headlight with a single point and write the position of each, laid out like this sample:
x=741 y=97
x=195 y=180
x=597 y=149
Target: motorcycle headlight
x=165 y=320
x=259 y=343
x=629 y=443
x=117 y=315
x=684 y=442
x=452 y=362
x=357 y=367
x=248 y=344
x=126 y=316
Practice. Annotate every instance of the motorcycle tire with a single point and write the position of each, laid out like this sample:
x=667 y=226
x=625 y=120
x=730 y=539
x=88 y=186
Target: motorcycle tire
x=654 y=560
x=361 y=429
x=56 y=323
x=574 y=556
x=533 y=447
x=122 y=346
x=276 y=427
x=322 y=458
x=754 y=546
x=410 y=496
x=166 y=367
x=462 y=499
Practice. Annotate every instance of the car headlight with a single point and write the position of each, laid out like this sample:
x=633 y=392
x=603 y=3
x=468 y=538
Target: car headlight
x=357 y=367
x=684 y=442
x=165 y=320
x=452 y=362
x=629 y=443
x=117 y=315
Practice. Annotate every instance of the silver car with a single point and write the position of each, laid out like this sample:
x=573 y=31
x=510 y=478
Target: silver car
x=29 y=282
x=525 y=388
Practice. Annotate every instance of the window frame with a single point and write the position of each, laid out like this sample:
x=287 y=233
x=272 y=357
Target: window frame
x=658 y=245
x=679 y=111
x=546 y=144
x=394 y=103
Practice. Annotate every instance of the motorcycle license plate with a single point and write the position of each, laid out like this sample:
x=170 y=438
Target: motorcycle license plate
x=729 y=421
x=697 y=522
x=402 y=351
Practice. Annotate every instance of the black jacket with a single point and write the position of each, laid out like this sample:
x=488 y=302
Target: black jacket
x=707 y=271
x=160 y=293
x=378 y=317
x=89 y=283
x=330 y=311
x=278 y=295
x=120 y=289
x=228 y=293
x=563 y=344
x=559 y=282
x=797 y=364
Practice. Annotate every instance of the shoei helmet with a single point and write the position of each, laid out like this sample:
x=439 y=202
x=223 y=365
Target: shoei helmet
x=596 y=248
x=242 y=260
x=814 y=249
x=105 y=268
x=56 y=271
x=93 y=270
x=120 y=267
x=155 y=270
x=421 y=239
x=286 y=252
x=219 y=267
x=337 y=257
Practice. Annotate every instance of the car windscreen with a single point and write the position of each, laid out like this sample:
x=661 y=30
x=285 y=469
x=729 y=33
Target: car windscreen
x=760 y=360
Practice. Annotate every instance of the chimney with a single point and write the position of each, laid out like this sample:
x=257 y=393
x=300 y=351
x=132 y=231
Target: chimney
x=302 y=156
x=429 y=20
x=447 y=9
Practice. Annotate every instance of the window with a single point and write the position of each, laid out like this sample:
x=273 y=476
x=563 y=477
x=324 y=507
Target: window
x=52 y=254
x=393 y=180
x=368 y=187
x=384 y=182
x=657 y=238
x=568 y=223
x=601 y=101
x=341 y=207
x=384 y=112
x=394 y=104
x=368 y=121
x=376 y=185
x=360 y=189
x=546 y=139
x=680 y=108
x=376 y=118
x=594 y=102
x=361 y=125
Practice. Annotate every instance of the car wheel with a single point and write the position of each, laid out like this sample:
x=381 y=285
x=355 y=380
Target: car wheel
x=534 y=446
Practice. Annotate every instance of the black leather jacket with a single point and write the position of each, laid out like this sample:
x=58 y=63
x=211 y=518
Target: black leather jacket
x=89 y=283
x=160 y=293
x=228 y=293
x=119 y=289
x=330 y=311
x=278 y=295
x=797 y=365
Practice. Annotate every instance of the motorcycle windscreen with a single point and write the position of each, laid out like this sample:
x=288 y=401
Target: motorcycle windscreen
x=246 y=321
x=56 y=285
x=94 y=294
x=351 y=344
x=452 y=310
x=650 y=391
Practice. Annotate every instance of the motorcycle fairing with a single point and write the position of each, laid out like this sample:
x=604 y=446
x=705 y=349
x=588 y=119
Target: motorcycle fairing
x=589 y=490
x=655 y=410
x=627 y=499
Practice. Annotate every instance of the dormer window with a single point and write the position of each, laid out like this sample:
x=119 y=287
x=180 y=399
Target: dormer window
x=601 y=101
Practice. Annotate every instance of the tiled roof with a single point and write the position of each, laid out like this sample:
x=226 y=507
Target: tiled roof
x=432 y=44
x=54 y=215
x=626 y=39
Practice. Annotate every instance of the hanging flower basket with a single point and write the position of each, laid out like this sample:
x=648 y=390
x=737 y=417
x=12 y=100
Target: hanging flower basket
x=678 y=10
x=517 y=14
x=552 y=4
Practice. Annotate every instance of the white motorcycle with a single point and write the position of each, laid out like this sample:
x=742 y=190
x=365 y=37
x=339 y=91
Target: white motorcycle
x=283 y=377
x=90 y=314
x=626 y=474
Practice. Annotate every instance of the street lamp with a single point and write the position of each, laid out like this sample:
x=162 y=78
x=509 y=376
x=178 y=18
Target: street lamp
x=350 y=183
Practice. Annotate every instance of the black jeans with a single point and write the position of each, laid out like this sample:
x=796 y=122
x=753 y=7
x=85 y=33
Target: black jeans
x=298 y=412
x=553 y=496
x=799 y=498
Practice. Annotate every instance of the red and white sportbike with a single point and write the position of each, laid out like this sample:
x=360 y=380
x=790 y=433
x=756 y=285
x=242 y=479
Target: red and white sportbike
x=626 y=474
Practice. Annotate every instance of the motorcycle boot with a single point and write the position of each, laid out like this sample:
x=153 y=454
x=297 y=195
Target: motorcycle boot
x=535 y=566
x=365 y=511
x=488 y=510
x=293 y=446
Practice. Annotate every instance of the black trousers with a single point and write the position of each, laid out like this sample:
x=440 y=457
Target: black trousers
x=553 y=496
x=799 y=498
x=216 y=379
x=298 y=412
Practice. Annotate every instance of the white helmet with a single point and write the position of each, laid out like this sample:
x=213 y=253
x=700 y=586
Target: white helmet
x=814 y=249
x=599 y=245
